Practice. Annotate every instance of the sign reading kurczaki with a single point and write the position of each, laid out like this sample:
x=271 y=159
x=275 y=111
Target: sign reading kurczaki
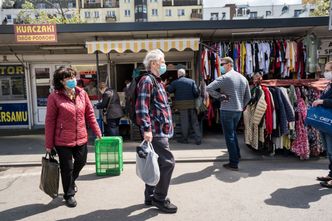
x=43 y=33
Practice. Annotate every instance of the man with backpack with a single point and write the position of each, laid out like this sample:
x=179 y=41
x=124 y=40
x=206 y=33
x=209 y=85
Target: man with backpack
x=154 y=118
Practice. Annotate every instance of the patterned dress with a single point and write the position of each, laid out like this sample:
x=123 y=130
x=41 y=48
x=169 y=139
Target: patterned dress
x=300 y=145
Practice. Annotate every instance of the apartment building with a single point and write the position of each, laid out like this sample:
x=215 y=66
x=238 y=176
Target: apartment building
x=106 y=11
x=232 y=11
x=140 y=10
x=9 y=10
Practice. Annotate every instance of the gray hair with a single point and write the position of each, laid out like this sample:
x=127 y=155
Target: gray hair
x=227 y=60
x=181 y=72
x=154 y=55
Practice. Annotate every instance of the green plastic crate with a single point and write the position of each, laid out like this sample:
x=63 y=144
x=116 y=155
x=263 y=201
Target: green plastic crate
x=108 y=153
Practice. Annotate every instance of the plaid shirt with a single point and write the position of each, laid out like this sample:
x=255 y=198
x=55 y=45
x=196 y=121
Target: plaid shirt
x=153 y=115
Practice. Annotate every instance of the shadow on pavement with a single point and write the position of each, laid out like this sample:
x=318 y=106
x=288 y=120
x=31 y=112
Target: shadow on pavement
x=118 y=214
x=29 y=210
x=93 y=176
x=297 y=197
x=247 y=169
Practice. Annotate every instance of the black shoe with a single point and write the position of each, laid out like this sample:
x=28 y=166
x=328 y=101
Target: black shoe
x=71 y=202
x=166 y=206
x=198 y=142
x=148 y=202
x=230 y=167
x=183 y=141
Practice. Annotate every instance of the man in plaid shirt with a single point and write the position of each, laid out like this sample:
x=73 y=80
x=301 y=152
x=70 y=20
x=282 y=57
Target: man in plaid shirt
x=154 y=117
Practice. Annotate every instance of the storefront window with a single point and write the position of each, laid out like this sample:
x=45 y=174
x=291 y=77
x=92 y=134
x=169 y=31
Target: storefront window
x=87 y=79
x=12 y=82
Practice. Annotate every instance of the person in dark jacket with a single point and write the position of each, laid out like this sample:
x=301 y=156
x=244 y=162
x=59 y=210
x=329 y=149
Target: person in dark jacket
x=186 y=92
x=68 y=110
x=111 y=107
x=325 y=100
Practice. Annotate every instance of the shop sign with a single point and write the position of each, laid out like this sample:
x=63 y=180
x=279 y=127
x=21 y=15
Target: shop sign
x=14 y=114
x=325 y=47
x=43 y=33
x=11 y=70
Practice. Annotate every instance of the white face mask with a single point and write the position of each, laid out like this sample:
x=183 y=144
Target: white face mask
x=328 y=75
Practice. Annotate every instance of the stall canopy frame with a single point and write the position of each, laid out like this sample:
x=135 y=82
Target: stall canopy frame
x=136 y=45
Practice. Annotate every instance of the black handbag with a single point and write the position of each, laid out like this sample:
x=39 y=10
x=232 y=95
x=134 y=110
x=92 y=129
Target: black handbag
x=49 y=179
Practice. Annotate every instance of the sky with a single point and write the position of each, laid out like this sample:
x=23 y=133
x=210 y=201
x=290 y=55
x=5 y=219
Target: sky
x=219 y=3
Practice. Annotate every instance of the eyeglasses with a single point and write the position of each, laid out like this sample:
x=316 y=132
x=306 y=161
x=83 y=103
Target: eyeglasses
x=222 y=64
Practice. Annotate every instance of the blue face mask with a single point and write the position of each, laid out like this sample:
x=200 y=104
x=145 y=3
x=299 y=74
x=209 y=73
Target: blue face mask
x=222 y=70
x=162 y=69
x=71 y=83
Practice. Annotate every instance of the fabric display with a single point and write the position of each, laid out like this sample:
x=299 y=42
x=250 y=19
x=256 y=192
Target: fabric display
x=276 y=59
x=275 y=119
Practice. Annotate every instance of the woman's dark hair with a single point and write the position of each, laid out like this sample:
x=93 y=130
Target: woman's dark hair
x=60 y=74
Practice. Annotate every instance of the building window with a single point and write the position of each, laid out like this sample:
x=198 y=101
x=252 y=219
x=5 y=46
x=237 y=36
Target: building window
x=41 y=5
x=214 y=16
x=96 y=14
x=297 y=13
x=151 y=1
x=154 y=12
x=12 y=82
x=69 y=16
x=127 y=12
x=223 y=16
x=126 y=1
x=110 y=14
x=87 y=14
x=9 y=17
x=168 y=12
x=253 y=15
x=180 y=12
x=71 y=5
x=268 y=13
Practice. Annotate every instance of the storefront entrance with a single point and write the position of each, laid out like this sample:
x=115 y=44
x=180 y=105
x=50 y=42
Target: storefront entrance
x=41 y=80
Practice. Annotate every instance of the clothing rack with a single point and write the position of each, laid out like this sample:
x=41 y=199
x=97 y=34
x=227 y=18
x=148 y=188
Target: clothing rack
x=318 y=84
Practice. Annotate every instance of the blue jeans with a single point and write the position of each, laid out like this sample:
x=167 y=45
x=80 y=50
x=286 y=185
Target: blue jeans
x=327 y=142
x=229 y=122
x=112 y=127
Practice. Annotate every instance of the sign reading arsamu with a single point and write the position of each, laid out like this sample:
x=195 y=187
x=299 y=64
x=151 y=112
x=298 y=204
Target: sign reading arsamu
x=43 y=33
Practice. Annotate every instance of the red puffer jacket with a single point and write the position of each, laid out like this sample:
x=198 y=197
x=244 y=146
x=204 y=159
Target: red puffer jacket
x=65 y=123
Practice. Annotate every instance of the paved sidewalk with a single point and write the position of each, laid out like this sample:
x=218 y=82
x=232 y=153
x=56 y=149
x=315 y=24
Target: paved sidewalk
x=22 y=148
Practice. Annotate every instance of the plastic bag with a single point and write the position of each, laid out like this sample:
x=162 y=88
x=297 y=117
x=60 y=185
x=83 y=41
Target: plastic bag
x=148 y=168
x=320 y=118
x=49 y=179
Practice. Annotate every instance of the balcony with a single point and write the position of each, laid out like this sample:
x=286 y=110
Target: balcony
x=195 y=15
x=167 y=3
x=111 y=4
x=92 y=5
x=110 y=19
x=186 y=2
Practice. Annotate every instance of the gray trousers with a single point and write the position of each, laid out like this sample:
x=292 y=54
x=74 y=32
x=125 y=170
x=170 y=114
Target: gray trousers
x=189 y=117
x=166 y=165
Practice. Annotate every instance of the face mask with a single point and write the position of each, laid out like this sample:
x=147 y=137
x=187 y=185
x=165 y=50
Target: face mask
x=222 y=70
x=162 y=69
x=71 y=83
x=328 y=75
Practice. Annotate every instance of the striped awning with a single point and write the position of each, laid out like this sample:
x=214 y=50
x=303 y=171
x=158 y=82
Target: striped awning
x=121 y=46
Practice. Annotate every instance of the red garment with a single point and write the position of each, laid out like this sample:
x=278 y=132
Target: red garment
x=269 y=111
x=210 y=114
x=65 y=123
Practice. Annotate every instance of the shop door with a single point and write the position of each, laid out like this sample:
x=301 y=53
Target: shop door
x=41 y=84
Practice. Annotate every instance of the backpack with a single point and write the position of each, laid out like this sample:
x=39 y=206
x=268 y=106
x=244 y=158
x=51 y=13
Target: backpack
x=132 y=95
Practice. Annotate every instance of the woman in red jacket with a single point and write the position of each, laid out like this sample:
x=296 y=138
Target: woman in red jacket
x=68 y=110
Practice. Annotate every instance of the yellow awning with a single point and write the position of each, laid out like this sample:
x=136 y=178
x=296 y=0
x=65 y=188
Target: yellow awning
x=165 y=45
